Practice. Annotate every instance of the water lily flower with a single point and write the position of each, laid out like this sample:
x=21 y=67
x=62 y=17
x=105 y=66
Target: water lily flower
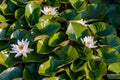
x=21 y=48
x=89 y=42
x=49 y=11
x=83 y=22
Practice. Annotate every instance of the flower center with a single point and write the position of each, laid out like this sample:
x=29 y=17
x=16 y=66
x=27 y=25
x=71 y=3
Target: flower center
x=49 y=12
x=21 y=47
x=88 y=42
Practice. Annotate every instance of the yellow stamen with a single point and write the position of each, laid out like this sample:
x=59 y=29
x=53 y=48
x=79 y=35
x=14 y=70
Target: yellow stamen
x=49 y=12
x=21 y=47
x=88 y=42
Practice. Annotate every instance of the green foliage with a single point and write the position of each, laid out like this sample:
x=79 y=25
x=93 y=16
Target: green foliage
x=11 y=73
x=75 y=30
x=57 y=38
x=70 y=14
x=94 y=11
x=95 y=70
x=102 y=29
x=78 y=40
x=78 y=4
x=32 y=13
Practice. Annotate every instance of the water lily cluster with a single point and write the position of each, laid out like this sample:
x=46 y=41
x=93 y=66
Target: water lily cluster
x=59 y=40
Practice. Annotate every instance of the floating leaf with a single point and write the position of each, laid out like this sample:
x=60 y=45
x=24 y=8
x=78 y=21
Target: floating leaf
x=2 y=68
x=111 y=40
x=85 y=53
x=73 y=75
x=12 y=61
x=94 y=11
x=109 y=55
x=49 y=29
x=95 y=70
x=4 y=44
x=20 y=24
x=78 y=4
x=28 y=72
x=49 y=67
x=67 y=54
x=113 y=14
x=43 y=47
x=102 y=29
x=70 y=14
x=113 y=76
x=2 y=18
x=114 y=67
x=11 y=73
x=21 y=34
x=18 y=2
x=54 y=3
x=3 y=58
x=34 y=57
x=75 y=30
x=32 y=13
x=19 y=13
x=78 y=65
x=57 y=38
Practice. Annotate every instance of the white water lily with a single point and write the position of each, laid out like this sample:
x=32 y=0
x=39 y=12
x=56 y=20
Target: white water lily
x=89 y=42
x=49 y=11
x=21 y=48
x=83 y=22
